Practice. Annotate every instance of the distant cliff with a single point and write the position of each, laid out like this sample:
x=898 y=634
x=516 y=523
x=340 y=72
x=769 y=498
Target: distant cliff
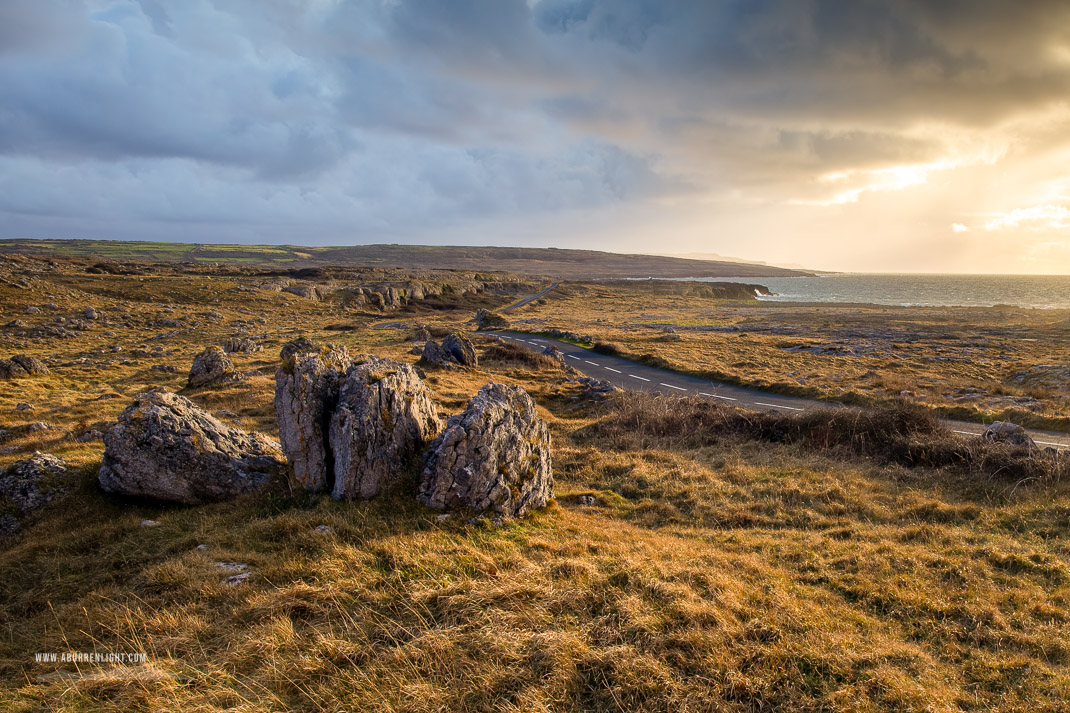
x=550 y=262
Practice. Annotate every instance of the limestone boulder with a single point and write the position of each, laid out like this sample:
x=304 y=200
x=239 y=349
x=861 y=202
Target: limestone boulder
x=383 y=419
x=21 y=365
x=493 y=457
x=485 y=319
x=1010 y=433
x=555 y=354
x=28 y=485
x=212 y=367
x=164 y=447
x=301 y=345
x=461 y=348
x=242 y=345
x=306 y=392
x=434 y=353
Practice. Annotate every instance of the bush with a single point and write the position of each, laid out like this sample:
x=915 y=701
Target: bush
x=902 y=434
x=507 y=352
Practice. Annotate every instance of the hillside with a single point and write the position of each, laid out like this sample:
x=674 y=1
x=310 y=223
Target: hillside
x=550 y=262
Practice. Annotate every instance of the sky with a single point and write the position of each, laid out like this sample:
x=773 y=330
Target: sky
x=905 y=136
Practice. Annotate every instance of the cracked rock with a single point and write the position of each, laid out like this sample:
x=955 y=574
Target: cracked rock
x=495 y=456
x=383 y=418
x=166 y=448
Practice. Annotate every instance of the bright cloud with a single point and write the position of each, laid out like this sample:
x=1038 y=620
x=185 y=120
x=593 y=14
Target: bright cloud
x=1038 y=217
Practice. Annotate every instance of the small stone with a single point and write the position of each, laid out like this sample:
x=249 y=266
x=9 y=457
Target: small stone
x=442 y=517
x=585 y=499
x=323 y=529
x=40 y=426
x=236 y=579
x=90 y=313
x=33 y=310
x=232 y=566
x=202 y=548
x=23 y=406
x=149 y=523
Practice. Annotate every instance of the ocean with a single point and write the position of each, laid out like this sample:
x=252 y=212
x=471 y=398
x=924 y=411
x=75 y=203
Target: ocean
x=1030 y=291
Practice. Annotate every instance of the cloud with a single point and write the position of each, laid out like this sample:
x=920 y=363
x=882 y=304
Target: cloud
x=1038 y=217
x=354 y=119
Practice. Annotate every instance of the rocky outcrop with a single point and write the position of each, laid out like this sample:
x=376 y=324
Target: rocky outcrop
x=461 y=348
x=29 y=484
x=383 y=418
x=242 y=345
x=434 y=353
x=306 y=392
x=495 y=456
x=422 y=334
x=166 y=448
x=22 y=365
x=212 y=367
x=309 y=292
x=595 y=389
x=555 y=354
x=1010 y=433
x=297 y=346
x=485 y=319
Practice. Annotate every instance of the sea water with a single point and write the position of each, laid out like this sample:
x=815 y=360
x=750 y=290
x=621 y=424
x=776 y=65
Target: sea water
x=1031 y=291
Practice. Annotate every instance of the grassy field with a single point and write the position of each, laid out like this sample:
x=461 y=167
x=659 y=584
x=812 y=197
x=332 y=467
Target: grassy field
x=979 y=364
x=720 y=568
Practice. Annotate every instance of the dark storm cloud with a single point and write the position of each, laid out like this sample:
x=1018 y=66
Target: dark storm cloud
x=376 y=114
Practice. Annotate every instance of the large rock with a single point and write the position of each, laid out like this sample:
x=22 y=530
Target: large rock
x=462 y=349
x=212 y=367
x=29 y=484
x=22 y=365
x=435 y=353
x=485 y=319
x=384 y=417
x=301 y=345
x=242 y=345
x=1011 y=433
x=166 y=448
x=494 y=456
x=306 y=392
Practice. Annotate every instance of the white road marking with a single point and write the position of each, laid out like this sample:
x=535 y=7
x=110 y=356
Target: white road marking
x=726 y=398
x=609 y=368
x=586 y=361
x=638 y=377
x=967 y=433
x=1050 y=443
x=573 y=356
x=678 y=388
x=791 y=408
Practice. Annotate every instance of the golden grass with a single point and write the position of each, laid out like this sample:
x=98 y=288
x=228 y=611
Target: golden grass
x=963 y=362
x=712 y=573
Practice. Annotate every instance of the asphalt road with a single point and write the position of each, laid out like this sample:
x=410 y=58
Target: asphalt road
x=631 y=375
x=529 y=299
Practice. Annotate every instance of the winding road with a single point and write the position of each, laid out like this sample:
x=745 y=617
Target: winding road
x=631 y=375
x=529 y=299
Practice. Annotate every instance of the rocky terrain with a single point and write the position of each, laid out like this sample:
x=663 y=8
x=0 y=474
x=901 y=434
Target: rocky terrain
x=326 y=500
